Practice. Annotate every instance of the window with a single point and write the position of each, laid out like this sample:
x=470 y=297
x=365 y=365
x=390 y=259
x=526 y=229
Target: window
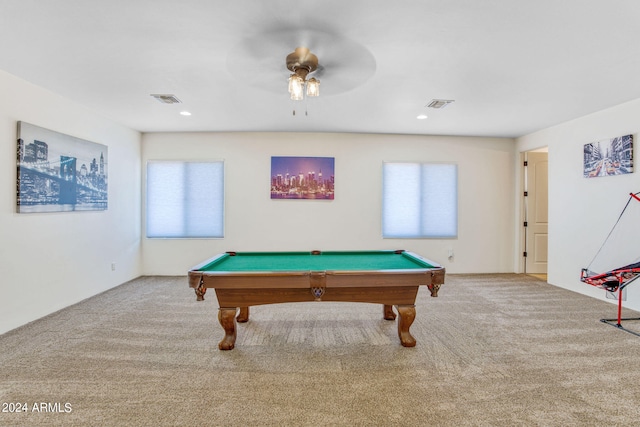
x=419 y=200
x=185 y=199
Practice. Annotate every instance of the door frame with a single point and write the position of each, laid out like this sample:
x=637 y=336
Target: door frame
x=521 y=244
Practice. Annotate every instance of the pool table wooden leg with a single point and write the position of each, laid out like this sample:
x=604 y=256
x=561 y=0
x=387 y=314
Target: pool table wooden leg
x=227 y=318
x=200 y=291
x=243 y=316
x=407 y=314
x=387 y=312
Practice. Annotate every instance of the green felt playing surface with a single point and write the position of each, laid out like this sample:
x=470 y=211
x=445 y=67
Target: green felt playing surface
x=306 y=261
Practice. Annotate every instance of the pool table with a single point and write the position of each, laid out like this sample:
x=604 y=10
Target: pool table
x=244 y=279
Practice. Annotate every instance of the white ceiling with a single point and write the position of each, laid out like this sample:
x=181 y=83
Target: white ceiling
x=512 y=66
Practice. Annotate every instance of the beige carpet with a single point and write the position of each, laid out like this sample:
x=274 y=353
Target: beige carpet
x=493 y=350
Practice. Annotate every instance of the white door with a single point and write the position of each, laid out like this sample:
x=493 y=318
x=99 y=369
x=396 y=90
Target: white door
x=537 y=222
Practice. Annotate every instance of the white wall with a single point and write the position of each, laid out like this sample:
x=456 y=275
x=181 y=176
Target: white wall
x=51 y=260
x=583 y=211
x=351 y=221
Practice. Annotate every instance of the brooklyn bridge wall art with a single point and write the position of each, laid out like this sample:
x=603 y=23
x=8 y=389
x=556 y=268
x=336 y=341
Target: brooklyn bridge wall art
x=58 y=172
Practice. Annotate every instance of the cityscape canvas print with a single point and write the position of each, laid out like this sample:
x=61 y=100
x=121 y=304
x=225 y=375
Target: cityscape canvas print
x=302 y=178
x=58 y=172
x=609 y=157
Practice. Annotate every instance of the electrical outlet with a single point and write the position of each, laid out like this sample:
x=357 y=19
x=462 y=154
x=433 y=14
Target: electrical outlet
x=113 y=266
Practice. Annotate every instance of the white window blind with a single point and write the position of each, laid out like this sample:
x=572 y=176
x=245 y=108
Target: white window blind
x=419 y=200
x=185 y=199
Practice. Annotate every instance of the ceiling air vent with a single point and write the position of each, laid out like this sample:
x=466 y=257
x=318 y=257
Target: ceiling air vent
x=439 y=103
x=166 y=98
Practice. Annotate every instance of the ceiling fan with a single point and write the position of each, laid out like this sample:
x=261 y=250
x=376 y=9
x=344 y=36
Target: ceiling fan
x=343 y=64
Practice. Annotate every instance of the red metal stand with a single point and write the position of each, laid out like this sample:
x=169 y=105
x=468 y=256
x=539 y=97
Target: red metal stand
x=618 y=321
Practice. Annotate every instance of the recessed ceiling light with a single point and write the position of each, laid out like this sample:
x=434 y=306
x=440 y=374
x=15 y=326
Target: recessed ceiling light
x=421 y=117
x=185 y=113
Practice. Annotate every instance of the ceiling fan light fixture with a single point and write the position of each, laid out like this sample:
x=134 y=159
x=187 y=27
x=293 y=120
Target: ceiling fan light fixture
x=296 y=87
x=302 y=62
x=313 y=87
x=292 y=82
x=297 y=95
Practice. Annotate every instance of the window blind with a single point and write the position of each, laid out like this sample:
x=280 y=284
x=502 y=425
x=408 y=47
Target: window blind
x=419 y=200
x=185 y=199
